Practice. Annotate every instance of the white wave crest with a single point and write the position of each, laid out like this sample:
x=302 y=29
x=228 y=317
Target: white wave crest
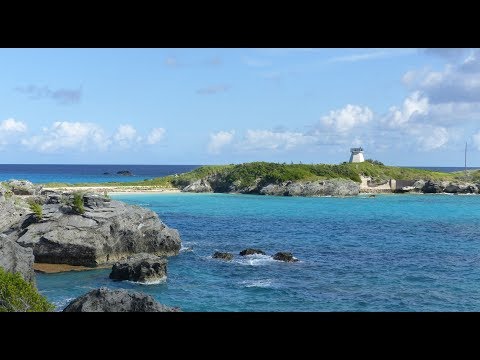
x=150 y=282
x=255 y=260
x=261 y=283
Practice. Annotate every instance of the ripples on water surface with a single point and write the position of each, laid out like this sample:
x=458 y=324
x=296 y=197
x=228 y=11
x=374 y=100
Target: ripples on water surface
x=388 y=253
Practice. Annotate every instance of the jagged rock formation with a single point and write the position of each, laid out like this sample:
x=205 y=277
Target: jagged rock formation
x=145 y=268
x=105 y=232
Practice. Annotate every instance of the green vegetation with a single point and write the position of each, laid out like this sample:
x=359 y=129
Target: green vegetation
x=375 y=162
x=78 y=205
x=18 y=295
x=36 y=208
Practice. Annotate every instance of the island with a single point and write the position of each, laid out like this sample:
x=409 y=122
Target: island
x=281 y=179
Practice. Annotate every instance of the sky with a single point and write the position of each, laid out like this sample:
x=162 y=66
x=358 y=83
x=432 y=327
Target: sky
x=405 y=107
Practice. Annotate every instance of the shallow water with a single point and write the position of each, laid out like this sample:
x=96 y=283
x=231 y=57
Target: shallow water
x=388 y=253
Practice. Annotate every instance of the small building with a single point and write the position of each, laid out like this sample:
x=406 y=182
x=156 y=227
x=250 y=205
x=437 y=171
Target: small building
x=356 y=155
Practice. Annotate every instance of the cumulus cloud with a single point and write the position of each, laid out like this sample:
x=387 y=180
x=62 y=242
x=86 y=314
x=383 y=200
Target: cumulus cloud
x=429 y=137
x=458 y=82
x=413 y=105
x=126 y=135
x=62 y=135
x=12 y=125
x=155 y=135
x=62 y=96
x=343 y=120
x=213 y=89
x=273 y=140
x=218 y=140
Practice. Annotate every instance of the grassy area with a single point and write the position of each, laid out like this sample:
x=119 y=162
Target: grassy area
x=246 y=174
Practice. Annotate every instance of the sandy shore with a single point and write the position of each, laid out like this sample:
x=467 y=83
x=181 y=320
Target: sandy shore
x=56 y=268
x=117 y=189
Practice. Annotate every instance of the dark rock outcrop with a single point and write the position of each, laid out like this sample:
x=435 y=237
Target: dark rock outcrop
x=284 y=256
x=432 y=187
x=333 y=187
x=251 y=251
x=223 y=255
x=106 y=173
x=140 y=268
x=124 y=173
x=105 y=300
x=107 y=231
x=15 y=258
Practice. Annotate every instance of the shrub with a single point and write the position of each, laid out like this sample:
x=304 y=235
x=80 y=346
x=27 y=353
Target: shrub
x=78 y=203
x=375 y=162
x=18 y=295
x=36 y=208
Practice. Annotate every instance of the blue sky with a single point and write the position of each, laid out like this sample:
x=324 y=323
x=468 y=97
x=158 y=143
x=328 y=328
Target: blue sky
x=213 y=106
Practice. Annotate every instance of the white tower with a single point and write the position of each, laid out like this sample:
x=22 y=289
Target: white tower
x=357 y=155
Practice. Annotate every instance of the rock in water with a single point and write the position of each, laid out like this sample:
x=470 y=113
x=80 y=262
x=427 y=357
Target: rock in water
x=251 y=251
x=15 y=258
x=105 y=300
x=140 y=268
x=107 y=231
x=124 y=173
x=223 y=255
x=284 y=256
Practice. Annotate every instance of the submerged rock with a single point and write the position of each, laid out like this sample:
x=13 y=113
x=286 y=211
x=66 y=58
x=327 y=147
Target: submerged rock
x=107 y=231
x=284 y=256
x=251 y=251
x=124 y=173
x=223 y=255
x=140 y=268
x=105 y=300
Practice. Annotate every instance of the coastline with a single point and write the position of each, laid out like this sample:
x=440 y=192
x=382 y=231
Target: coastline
x=116 y=189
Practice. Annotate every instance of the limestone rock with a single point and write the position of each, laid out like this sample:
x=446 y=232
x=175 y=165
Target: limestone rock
x=105 y=300
x=140 y=268
x=223 y=256
x=107 y=231
x=251 y=251
x=284 y=256
x=15 y=258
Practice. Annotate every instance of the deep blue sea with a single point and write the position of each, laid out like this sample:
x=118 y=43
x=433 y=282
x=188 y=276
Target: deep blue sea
x=88 y=173
x=388 y=253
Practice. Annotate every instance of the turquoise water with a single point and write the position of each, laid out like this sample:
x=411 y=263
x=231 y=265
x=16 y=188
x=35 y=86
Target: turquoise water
x=388 y=253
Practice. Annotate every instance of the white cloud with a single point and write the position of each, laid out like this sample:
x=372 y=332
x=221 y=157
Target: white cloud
x=378 y=54
x=430 y=137
x=126 y=135
x=343 y=120
x=273 y=140
x=218 y=140
x=63 y=135
x=155 y=135
x=413 y=105
x=12 y=125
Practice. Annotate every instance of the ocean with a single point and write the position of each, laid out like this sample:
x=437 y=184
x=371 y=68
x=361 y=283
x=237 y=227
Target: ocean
x=88 y=173
x=395 y=252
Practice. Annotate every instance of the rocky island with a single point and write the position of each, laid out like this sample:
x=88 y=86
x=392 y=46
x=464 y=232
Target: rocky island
x=263 y=178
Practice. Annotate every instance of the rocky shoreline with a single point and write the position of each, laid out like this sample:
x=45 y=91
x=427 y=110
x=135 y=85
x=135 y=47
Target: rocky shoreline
x=52 y=230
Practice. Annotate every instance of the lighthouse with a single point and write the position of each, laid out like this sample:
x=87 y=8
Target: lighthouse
x=357 y=155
